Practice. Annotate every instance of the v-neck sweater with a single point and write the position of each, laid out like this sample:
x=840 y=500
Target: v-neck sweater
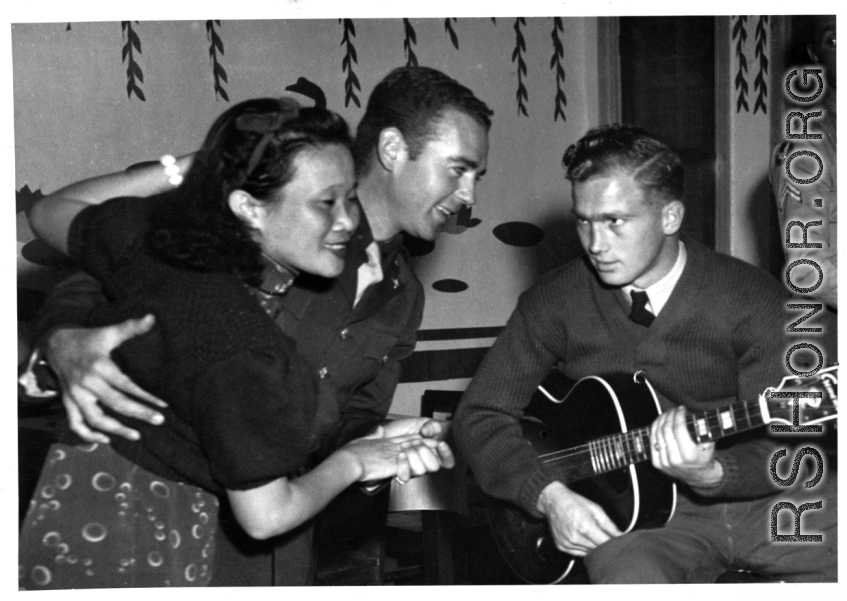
x=720 y=338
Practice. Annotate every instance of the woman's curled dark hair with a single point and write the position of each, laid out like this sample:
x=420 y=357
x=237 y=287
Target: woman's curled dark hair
x=250 y=147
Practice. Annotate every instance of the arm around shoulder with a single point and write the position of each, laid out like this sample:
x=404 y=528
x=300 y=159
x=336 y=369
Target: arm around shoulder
x=51 y=216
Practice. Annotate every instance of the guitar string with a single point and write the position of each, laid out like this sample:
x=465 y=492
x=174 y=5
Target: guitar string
x=737 y=410
x=644 y=431
x=741 y=414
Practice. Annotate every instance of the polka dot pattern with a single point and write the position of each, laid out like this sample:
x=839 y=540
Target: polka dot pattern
x=97 y=520
x=519 y=233
x=449 y=285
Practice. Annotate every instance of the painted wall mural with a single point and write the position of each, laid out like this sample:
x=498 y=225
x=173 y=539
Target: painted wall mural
x=556 y=63
x=409 y=40
x=131 y=48
x=760 y=83
x=448 y=27
x=520 y=47
x=216 y=46
x=134 y=75
x=351 y=83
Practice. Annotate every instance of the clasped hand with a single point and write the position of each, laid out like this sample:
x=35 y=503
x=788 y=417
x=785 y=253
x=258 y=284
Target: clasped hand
x=427 y=458
x=402 y=456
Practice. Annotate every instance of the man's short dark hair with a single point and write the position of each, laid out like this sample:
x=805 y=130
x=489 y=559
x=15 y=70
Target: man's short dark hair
x=413 y=99
x=632 y=150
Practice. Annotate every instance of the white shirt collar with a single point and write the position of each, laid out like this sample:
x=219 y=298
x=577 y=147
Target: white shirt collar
x=659 y=293
x=369 y=273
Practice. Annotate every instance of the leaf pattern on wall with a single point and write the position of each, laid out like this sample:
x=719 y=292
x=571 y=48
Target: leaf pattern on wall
x=520 y=47
x=760 y=84
x=410 y=39
x=448 y=27
x=216 y=45
x=133 y=69
x=556 y=63
x=739 y=34
x=351 y=84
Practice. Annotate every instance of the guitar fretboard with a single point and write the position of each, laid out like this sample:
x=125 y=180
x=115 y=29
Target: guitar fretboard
x=617 y=451
x=708 y=426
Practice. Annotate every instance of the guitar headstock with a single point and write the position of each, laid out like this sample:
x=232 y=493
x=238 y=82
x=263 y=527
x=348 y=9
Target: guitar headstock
x=811 y=410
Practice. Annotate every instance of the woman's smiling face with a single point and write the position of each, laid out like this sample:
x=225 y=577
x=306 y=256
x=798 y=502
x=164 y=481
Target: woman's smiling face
x=309 y=222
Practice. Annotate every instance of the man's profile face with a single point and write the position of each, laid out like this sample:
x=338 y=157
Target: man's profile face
x=628 y=240
x=431 y=188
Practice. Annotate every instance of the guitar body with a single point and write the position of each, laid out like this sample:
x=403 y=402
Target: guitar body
x=635 y=496
x=595 y=436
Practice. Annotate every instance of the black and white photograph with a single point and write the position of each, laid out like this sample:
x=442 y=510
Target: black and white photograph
x=333 y=294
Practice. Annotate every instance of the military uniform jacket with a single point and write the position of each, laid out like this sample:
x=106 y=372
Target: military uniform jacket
x=356 y=351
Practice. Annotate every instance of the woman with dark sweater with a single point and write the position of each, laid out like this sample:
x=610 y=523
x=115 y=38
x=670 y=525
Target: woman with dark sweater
x=271 y=193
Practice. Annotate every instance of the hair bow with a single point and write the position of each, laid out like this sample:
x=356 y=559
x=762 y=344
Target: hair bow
x=267 y=124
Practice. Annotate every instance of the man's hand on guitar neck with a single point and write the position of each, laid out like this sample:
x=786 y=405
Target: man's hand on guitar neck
x=673 y=452
x=578 y=525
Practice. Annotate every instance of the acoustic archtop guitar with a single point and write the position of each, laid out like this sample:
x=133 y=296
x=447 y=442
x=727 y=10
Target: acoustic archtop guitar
x=609 y=418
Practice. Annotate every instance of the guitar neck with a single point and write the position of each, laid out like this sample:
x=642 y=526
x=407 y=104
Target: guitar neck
x=610 y=453
x=708 y=426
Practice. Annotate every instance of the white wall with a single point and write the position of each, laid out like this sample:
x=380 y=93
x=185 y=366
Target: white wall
x=749 y=146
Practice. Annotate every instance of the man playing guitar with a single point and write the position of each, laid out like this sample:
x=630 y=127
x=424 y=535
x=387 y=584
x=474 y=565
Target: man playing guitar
x=710 y=331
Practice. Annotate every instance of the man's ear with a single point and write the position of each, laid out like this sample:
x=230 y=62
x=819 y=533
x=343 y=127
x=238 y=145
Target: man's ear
x=245 y=207
x=391 y=148
x=672 y=215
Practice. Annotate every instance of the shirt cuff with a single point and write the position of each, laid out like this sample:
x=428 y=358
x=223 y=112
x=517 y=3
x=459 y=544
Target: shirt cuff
x=717 y=489
x=38 y=380
x=373 y=488
x=532 y=489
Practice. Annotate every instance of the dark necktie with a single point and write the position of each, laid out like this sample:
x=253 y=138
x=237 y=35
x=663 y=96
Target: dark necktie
x=639 y=313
